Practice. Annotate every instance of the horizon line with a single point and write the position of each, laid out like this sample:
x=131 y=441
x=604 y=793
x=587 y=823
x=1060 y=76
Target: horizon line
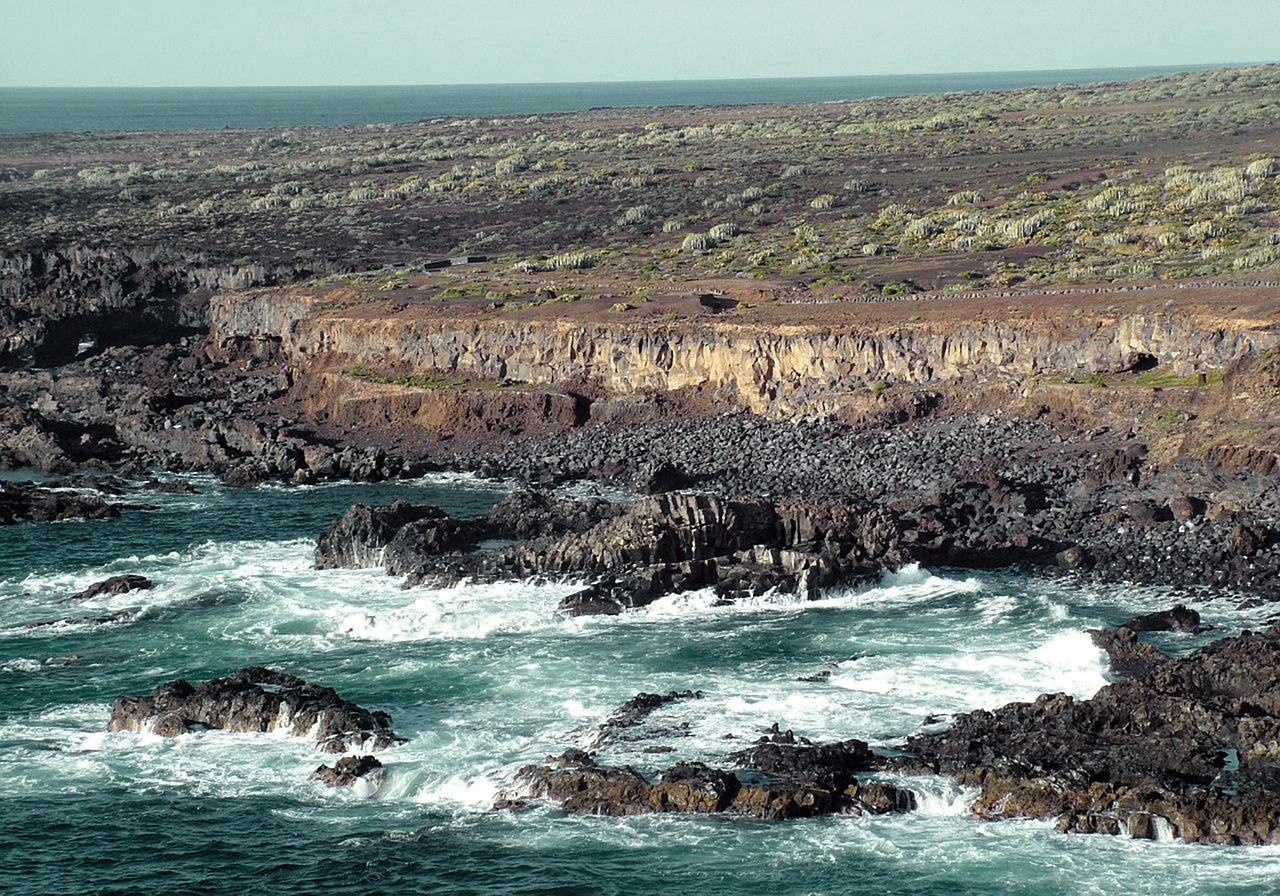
x=1171 y=67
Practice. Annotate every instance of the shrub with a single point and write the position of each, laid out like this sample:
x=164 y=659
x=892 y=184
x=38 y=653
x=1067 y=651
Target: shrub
x=697 y=242
x=1260 y=168
x=723 y=232
x=637 y=214
x=510 y=165
x=823 y=201
x=575 y=261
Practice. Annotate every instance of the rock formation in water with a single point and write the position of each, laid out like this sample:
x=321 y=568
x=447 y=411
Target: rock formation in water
x=24 y=501
x=347 y=771
x=122 y=584
x=255 y=700
x=630 y=555
x=1187 y=748
x=780 y=778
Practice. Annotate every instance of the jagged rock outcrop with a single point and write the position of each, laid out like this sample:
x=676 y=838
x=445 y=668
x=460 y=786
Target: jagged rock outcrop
x=1129 y=657
x=114 y=585
x=580 y=785
x=780 y=754
x=24 y=501
x=1189 y=750
x=360 y=539
x=538 y=514
x=631 y=554
x=347 y=771
x=255 y=700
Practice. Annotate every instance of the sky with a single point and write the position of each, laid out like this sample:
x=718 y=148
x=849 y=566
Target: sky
x=155 y=43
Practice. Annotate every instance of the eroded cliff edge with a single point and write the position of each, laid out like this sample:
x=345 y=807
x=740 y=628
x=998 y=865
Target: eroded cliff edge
x=774 y=362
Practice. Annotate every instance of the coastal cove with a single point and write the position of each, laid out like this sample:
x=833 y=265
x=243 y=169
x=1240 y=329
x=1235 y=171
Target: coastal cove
x=482 y=679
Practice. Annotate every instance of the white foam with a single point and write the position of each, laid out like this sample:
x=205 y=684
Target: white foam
x=462 y=612
x=22 y=664
x=912 y=584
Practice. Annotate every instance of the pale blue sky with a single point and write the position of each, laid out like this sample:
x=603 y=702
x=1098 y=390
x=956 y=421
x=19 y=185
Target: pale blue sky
x=300 y=42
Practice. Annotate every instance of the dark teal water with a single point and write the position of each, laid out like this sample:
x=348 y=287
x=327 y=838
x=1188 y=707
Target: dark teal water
x=485 y=678
x=38 y=110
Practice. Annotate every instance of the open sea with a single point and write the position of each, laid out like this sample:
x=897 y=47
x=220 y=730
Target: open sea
x=38 y=110
x=485 y=678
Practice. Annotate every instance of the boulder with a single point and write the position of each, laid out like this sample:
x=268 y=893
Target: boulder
x=1175 y=619
x=255 y=700
x=346 y=771
x=114 y=585
x=357 y=539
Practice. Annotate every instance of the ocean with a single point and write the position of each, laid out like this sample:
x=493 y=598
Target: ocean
x=485 y=678
x=52 y=110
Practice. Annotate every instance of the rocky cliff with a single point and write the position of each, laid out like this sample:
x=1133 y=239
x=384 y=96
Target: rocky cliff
x=776 y=370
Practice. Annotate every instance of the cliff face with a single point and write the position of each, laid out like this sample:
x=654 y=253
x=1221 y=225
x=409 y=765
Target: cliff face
x=777 y=371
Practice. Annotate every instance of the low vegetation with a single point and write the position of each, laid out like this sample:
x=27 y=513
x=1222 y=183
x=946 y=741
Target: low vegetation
x=1163 y=178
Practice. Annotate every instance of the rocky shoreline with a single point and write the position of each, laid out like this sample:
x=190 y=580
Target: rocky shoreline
x=722 y=498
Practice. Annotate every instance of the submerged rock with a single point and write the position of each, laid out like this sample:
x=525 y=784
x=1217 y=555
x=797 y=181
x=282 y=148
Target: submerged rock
x=251 y=700
x=636 y=711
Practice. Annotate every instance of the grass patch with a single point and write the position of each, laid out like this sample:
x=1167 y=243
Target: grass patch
x=1161 y=379
x=430 y=381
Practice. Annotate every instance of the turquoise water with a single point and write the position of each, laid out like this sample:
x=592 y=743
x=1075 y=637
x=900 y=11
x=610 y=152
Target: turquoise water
x=37 y=110
x=485 y=678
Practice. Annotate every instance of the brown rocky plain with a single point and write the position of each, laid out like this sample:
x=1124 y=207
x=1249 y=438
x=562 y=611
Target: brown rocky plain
x=1039 y=327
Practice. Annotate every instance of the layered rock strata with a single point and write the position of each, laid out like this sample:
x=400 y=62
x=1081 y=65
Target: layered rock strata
x=779 y=371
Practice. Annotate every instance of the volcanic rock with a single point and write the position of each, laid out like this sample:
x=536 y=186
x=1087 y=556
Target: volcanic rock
x=114 y=585
x=1130 y=658
x=1175 y=619
x=43 y=505
x=581 y=786
x=358 y=539
x=255 y=700
x=1190 y=748
x=346 y=771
